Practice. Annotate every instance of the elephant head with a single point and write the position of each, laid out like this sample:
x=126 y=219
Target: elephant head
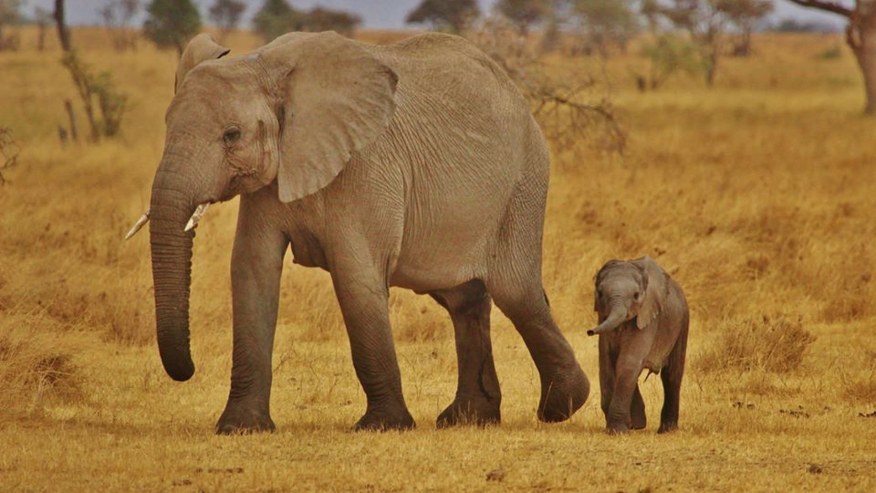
x=289 y=115
x=626 y=290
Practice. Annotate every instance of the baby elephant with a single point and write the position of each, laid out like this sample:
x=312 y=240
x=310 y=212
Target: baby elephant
x=643 y=322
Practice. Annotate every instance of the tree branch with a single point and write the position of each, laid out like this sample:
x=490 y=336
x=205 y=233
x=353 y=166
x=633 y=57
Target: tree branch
x=827 y=6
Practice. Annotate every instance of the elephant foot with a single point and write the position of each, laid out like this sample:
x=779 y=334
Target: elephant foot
x=385 y=421
x=617 y=429
x=638 y=422
x=238 y=421
x=667 y=427
x=564 y=395
x=478 y=411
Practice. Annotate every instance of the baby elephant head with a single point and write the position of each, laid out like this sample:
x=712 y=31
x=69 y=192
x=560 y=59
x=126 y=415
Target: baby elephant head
x=627 y=289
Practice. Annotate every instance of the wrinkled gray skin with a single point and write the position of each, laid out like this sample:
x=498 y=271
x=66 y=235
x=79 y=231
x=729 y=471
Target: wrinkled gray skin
x=643 y=324
x=415 y=165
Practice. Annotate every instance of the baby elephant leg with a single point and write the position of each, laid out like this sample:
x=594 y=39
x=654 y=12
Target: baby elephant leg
x=671 y=377
x=618 y=419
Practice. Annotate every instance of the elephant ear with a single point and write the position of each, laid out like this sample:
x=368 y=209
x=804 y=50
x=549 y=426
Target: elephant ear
x=200 y=48
x=335 y=99
x=656 y=285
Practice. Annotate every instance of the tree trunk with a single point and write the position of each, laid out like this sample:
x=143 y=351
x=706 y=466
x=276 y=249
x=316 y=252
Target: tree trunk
x=861 y=37
x=72 y=116
x=63 y=32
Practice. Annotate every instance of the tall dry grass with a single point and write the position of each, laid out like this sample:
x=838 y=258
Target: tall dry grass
x=756 y=196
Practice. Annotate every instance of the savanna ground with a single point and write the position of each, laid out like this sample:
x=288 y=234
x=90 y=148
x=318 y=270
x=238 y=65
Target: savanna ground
x=758 y=196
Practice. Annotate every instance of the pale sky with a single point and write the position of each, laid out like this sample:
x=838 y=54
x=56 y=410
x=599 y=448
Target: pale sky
x=378 y=14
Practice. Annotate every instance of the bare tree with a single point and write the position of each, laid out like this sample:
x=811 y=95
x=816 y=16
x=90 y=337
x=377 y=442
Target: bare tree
x=91 y=87
x=43 y=19
x=860 y=36
x=567 y=113
x=226 y=14
x=117 y=16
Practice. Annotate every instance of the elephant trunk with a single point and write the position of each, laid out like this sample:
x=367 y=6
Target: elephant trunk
x=171 y=207
x=616 y=317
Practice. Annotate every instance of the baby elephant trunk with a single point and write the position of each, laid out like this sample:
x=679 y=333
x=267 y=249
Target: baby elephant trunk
x=615 y=318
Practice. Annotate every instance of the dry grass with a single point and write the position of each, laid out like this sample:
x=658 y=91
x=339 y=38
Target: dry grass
x=773 y=345
x=757 y=196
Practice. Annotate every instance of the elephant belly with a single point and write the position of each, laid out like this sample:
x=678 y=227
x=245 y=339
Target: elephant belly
x=442 y=259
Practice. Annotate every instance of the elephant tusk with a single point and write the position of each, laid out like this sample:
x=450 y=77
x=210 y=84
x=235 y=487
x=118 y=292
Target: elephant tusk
x=138 y=225
x=196 y=216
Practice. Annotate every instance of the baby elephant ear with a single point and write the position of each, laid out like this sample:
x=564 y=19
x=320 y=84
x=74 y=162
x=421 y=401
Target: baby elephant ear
x=655 y=291
x=200 y=48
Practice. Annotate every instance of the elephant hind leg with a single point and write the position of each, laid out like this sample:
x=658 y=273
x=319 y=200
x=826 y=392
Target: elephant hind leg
x=671 y=377
x=478 y=397
x=638 y=421
x=564 y=386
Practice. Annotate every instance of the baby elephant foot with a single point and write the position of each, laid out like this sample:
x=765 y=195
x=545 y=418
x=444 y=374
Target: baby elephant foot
x=385 y=420
x=563 y=395
x=667 y=427
x=478 y=411
x=244 y=421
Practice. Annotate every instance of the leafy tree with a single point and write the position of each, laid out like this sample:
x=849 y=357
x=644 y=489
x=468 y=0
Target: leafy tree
x=860 y=36
x=524 y=13
x=226 y=14
x=450 y=15
x=171 y=23
x=322 y=19
x=668 y=54
x=705 y=23
x=10 y=14
x=275 y=18
x=744 y=14
x=605 y=23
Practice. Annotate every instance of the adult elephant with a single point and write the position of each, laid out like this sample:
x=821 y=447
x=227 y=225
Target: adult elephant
x=416 y=165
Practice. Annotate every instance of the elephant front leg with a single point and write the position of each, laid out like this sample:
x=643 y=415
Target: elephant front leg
x=618 y=418
x=256 y=266
x=364 y=297
x=607 y=368
x=478 y=396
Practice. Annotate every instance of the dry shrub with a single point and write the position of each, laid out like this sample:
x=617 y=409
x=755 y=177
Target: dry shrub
x=863 y=390
x=36 y=366
x=770 y=344
x=860 y=387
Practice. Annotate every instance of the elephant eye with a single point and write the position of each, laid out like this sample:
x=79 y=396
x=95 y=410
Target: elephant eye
x=231 y=135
